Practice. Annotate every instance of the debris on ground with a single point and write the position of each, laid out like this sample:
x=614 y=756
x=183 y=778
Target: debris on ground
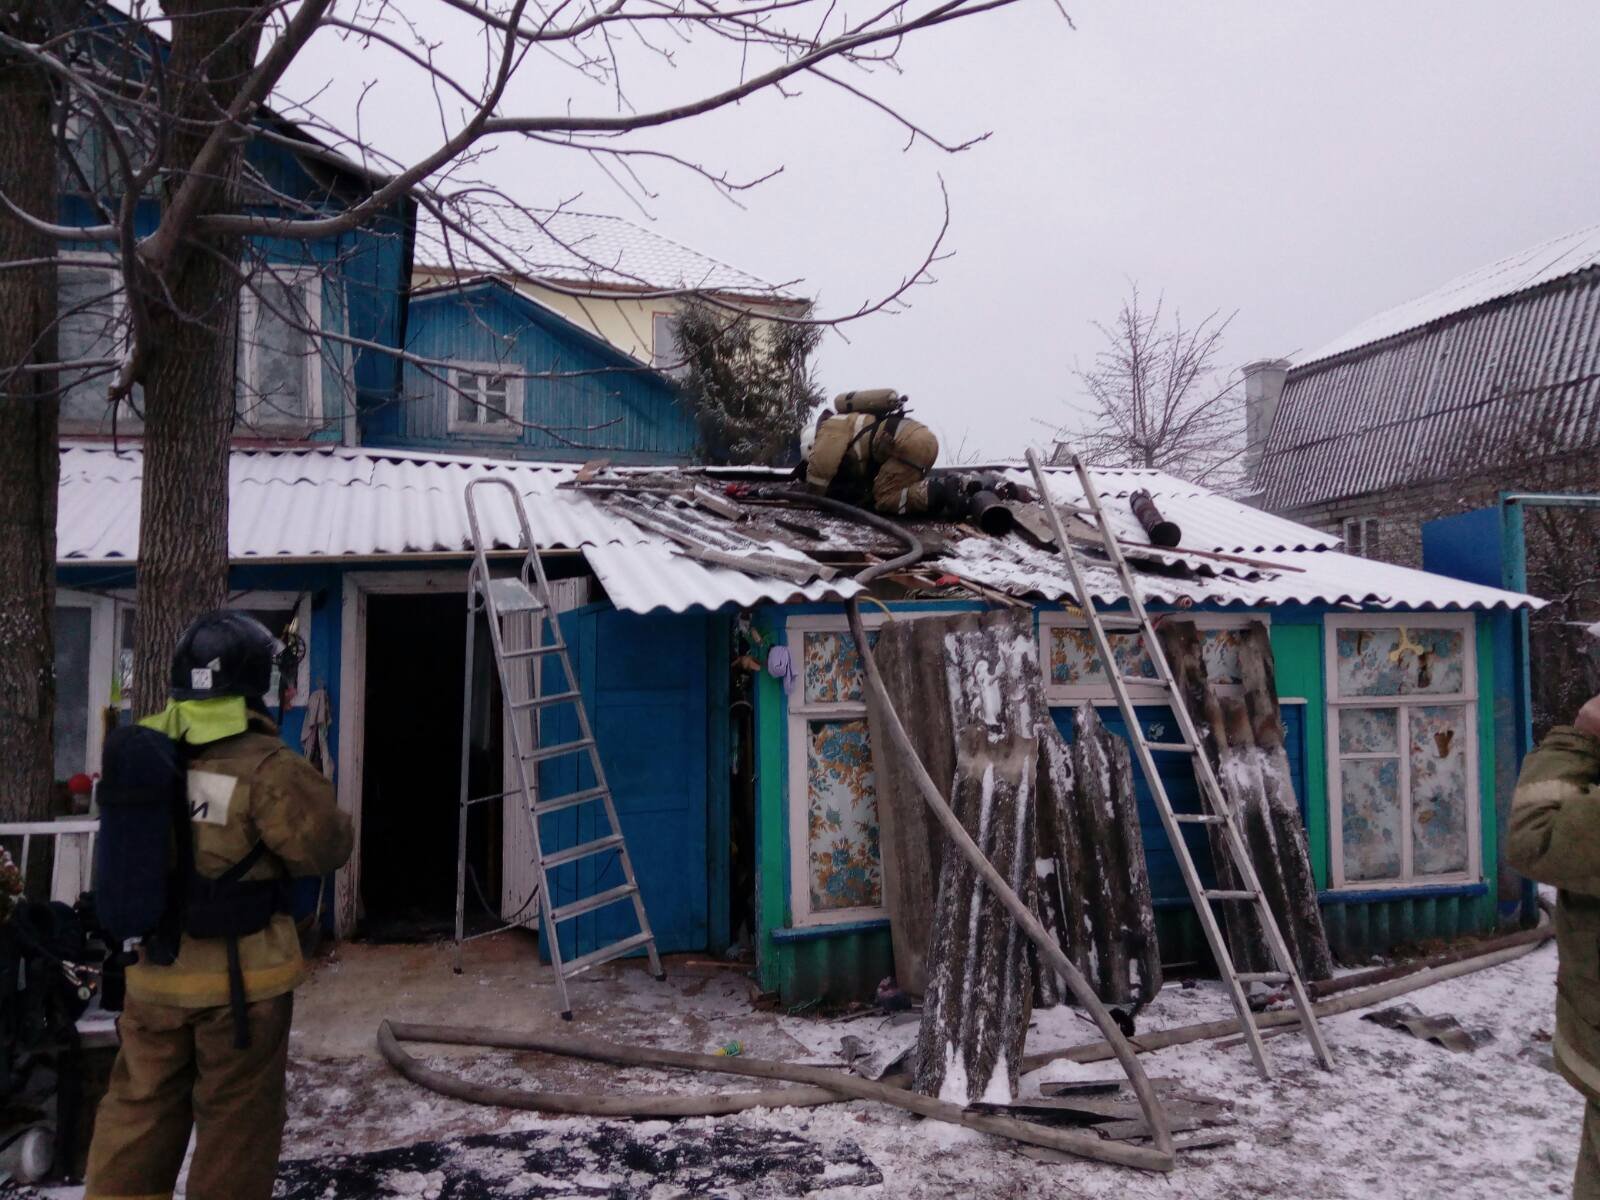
x=1442 y=1030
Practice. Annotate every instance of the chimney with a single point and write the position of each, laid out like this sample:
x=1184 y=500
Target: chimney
x=1263 y=385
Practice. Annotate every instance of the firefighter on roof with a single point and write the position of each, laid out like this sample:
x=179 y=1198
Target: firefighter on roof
x=868 y=452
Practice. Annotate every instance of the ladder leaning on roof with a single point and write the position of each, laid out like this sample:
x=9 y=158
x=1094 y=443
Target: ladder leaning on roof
x=1219 y=812
x=527 y=595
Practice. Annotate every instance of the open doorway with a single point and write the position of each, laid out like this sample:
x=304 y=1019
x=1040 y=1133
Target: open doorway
x=410 y=787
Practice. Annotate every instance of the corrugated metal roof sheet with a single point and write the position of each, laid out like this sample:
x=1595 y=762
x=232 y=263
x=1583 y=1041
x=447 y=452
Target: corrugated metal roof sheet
x=1544 y=263
x=1518 y=380
x=346 y=503
x=577 y=247
x=362 y=503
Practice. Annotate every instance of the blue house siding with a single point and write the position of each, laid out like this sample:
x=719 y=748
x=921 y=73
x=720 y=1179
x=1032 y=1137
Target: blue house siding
x=582 y=398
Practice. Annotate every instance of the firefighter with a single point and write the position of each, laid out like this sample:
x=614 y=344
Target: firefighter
x=868 y=452
x=204 y=1039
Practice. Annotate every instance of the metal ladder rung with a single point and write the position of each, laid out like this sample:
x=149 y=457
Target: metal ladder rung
x=1170 y=747
x=570 y=800
x=547 y=752
x=573 y=853
x=1230 y=894
x=533 y=650
x=604 y=955
x=589 y=903
x=1263 y=976
x=543 y=701
x=1141 y=680
x=1197 y=818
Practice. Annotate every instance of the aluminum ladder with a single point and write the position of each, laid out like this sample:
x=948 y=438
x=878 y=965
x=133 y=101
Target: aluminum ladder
x=527 y=596
x=1219 y=812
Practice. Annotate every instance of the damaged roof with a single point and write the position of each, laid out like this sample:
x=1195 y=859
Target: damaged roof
x=681 y=538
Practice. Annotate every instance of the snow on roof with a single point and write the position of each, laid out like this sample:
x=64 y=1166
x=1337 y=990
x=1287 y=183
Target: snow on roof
x=341 y=503
x=1544 y=263
x=577 y=247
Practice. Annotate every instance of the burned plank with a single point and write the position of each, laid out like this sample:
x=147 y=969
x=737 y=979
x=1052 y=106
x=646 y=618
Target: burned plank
x=910 y=656
x=1062 y=902
x=977 y=1002
x=1300 y=916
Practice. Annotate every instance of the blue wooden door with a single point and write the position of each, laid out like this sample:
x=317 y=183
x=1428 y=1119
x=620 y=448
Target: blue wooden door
x=644 y=687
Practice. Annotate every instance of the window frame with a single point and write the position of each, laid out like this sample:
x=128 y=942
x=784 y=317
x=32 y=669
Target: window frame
x=107 y=263
x=1367 y=531
x=1059 y=695
x=1467 y=698
x=308 y=280
x=670 y=365
x=497 y=427
x=800 y=715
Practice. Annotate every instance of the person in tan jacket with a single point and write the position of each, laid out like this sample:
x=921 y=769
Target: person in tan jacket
x=182 y=1065
x=1555 y=838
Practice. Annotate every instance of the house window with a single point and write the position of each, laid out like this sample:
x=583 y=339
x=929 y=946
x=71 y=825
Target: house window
x=280 y=354
x=1073 y=671
x=1402 y=740
x=835 y=871
x=92 y=332
x=482 y=399
x=273 y=609
x=1361 y=536
x=666 y=352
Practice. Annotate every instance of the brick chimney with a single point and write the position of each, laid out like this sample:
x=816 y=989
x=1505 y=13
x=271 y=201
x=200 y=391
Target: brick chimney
x=1263 y=385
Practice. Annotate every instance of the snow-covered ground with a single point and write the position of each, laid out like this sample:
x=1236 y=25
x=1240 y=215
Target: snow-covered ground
x=1399 y=1120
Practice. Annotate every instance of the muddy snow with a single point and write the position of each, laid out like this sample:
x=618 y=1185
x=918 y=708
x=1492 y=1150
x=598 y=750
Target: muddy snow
x=1400 y=1119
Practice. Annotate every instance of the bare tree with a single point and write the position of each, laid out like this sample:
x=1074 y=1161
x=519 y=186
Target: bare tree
x=150 y=118
x=1157 y=397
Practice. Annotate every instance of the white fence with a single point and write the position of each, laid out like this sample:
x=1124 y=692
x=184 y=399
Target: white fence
x=72 y=864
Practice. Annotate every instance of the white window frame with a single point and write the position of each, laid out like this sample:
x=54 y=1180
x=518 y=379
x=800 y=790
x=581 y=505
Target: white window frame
x=300 y=602
x=308 y=281
x=1366 y=529
x=1061 y=695
x=800 y=715
x=102 y=654
x=667 y=360
x=1467 y=698
x=100 y=260
x=483 y=423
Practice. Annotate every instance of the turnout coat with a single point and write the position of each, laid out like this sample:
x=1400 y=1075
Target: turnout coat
x=1555 y=838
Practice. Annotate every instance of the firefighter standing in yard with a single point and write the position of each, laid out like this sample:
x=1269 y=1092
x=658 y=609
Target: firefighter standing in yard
x=1555 y=838
x=182 y=1064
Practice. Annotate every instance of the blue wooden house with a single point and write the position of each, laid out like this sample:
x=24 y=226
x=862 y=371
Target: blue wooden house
x=748 y=799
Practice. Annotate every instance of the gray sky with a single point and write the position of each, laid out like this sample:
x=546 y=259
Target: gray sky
x=1305 y=164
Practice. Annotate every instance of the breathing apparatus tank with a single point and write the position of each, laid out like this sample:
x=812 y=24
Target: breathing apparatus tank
x=878 y=401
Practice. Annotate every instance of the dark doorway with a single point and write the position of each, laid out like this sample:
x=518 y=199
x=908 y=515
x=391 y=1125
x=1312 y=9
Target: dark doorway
x=416 y=655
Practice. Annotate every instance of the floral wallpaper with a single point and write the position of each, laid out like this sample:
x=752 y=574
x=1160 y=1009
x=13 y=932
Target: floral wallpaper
x=1400 y=661
x=1074 y=663
x=1370 y=793
x=832 y=667
x=1439 y=792
x=842 y=816
x=1369 y=731
x=1219 y=650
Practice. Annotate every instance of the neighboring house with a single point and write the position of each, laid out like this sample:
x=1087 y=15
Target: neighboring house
x=1490 y=383
x=718 y=771
x=616 y=280
x=495 y=372
x=1481 y=396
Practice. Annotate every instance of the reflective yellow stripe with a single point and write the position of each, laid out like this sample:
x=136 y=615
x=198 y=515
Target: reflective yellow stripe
x=161 y=985
x=1588 y=1074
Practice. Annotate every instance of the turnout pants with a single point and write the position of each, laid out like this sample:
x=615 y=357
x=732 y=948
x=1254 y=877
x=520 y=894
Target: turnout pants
x=1586 y=1181
x=178 y=1070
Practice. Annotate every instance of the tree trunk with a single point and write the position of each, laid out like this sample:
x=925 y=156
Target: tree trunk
x=975 y=1011
x=29 y=408
x=192 y=311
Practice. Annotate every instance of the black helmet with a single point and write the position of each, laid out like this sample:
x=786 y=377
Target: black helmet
x=223 y=653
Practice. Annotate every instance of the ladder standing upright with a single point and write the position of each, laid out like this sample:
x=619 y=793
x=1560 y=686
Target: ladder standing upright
x=526 y=596
x=1219 y=812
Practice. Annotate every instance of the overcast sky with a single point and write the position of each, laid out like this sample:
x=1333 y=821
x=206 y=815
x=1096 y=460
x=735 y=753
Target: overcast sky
x=1305 y=164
